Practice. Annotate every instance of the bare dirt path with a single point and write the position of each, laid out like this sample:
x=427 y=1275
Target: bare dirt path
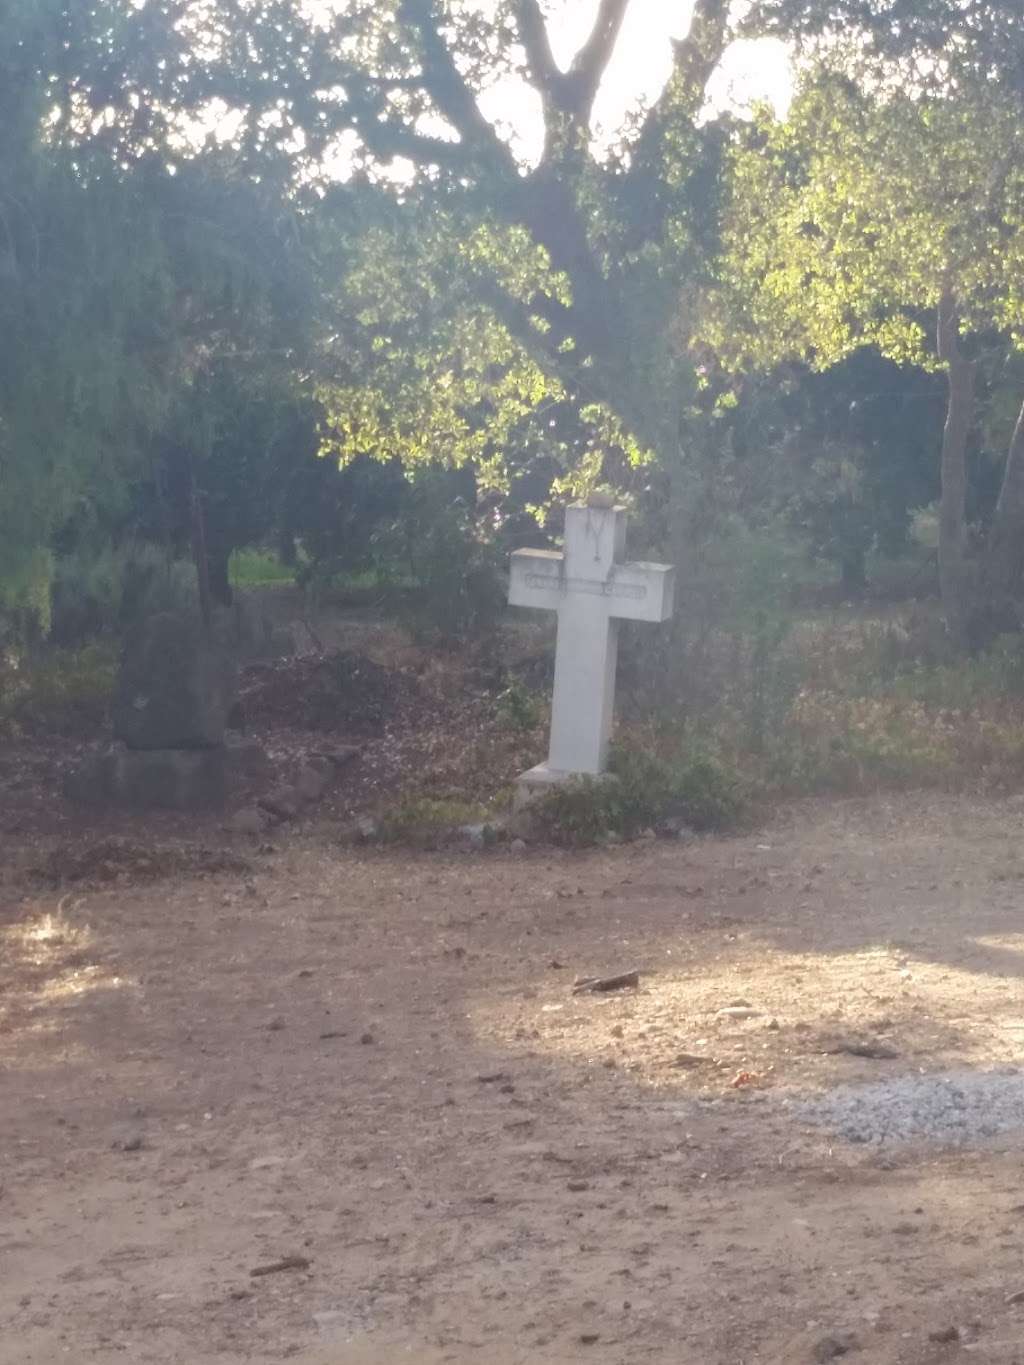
x=373 y=1063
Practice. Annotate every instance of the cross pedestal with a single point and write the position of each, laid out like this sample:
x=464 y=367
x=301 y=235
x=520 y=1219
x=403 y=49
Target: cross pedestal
x=591 y=589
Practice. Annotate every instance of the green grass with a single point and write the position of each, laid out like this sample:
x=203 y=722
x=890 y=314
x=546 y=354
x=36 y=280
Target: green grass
x=258 y=569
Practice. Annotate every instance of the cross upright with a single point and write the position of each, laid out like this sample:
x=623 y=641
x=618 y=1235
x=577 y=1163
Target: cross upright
x=591 y=589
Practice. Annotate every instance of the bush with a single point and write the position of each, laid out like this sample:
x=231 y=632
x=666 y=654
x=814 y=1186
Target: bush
x=101 y=593
x=580 y=812
x=704 y=793
x=456 y=568
x=516 y=708
x=422 y=822
x=637 y=793
x=66 y=692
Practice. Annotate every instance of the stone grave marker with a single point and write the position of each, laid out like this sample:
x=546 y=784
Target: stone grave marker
x=592 y=588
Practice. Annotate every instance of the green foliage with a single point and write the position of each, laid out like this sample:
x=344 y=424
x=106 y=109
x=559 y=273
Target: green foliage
x=705 y=792
x=578 y=813
x=421 y=368
x=517 y=708
x=65 y=692
x=849 y=220
x=456 y=566
x=638 y=792
x=100 y=592
x=426 y=823
x=258 y=569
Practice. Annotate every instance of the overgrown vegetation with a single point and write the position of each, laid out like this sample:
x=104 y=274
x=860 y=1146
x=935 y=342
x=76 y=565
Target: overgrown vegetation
x=793 y=340
x=64 y=692
x=640 y=793
x=427 y=823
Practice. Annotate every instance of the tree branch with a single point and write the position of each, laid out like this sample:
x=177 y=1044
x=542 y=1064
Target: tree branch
x=591 y=62
x=386 y=138
x=448 y=89
x=567 y=96
x=696 y=57
x=540 y=60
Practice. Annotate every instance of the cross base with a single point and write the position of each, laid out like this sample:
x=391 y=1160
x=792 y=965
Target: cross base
x=538 y=781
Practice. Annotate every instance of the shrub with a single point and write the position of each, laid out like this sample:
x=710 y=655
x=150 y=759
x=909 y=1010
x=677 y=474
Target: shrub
x=579 y=812
x=64 y=692
x=423 y=822
x=100 y=593
x=705 y=793
x=516 y=708
x=455 y=566
x=637 y=793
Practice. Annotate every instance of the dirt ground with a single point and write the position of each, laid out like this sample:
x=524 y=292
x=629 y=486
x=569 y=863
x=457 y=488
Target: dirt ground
x=373 y=1063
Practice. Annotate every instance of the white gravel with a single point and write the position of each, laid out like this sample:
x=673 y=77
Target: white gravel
x=953 y=1110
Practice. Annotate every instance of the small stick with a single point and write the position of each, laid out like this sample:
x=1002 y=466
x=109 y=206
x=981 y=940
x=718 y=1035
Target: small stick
x=606 y=983
x=286 y=1263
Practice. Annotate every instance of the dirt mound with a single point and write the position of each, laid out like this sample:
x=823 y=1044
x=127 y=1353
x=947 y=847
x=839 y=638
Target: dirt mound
x=117 y=860
x=341 y=692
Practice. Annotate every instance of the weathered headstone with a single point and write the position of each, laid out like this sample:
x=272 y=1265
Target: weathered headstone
x=175 y=688
x=591 y=588
x=176 y=684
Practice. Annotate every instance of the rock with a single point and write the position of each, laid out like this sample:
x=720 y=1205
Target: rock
x=152 y=779
x=283 y=803
x=472 y=836
x=675 y=827
x=175 y=686
x=341 y=755
x=1015 y=1298
x=517 y=846
x=833 y=1346
x=247 y=760
x=282 y=642
x=333 y=1322
x=311 y=782
x=945 y=1335
x=738 y=1012
x=361 y=831
x=367 y=1037
x=249 y=820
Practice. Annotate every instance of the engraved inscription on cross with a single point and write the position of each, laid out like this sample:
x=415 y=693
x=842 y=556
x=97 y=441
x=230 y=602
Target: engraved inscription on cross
x=591 y=589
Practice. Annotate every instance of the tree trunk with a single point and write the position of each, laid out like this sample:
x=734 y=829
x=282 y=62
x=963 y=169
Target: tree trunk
x=218 y=558
x=954 y=580
x=1004 y=560
x=197 y=530
x=854 y=572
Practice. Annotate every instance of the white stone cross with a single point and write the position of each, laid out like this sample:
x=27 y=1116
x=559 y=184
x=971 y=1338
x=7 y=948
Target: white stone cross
x=591 y=589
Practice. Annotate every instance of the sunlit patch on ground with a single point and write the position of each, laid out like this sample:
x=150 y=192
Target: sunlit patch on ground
x=47 y=957
x=747 y=1015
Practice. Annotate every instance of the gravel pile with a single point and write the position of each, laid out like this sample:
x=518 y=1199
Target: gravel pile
x=953 y=1110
